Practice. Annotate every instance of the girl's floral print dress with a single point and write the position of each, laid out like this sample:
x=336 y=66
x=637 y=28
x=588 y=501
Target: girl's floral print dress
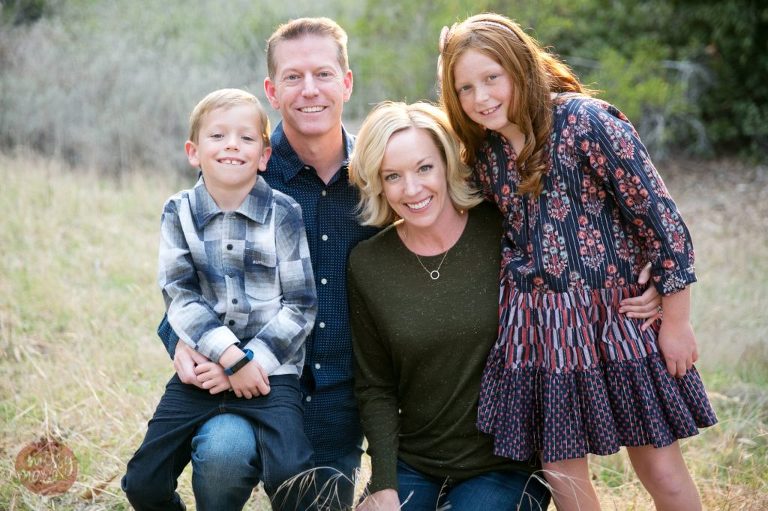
x=569 y=374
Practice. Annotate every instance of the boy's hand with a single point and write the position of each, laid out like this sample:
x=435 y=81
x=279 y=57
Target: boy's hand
x=647 y=305
x=211 y=376
x=184 y=361
x=678 y=345
x=250 y=381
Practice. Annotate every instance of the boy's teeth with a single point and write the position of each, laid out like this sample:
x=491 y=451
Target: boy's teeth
x=312 y=109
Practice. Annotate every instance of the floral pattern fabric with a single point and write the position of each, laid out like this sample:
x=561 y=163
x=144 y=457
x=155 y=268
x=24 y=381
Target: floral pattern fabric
x=569 y=374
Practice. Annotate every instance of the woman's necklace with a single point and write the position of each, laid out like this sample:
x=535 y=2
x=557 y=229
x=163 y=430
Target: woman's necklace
x=434 y=274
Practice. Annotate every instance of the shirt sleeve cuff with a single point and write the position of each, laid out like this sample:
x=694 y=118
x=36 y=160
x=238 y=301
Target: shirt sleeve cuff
x=672 y=282
x=263 y=356
x=215 y=342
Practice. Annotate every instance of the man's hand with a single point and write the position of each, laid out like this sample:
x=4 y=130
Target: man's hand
x=647 y=305
x=184 y=361
x=382 y=500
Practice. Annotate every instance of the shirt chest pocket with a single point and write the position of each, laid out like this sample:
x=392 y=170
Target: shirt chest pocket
x=261 y=274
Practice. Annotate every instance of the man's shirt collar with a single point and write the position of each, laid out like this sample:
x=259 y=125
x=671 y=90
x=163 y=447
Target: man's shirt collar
x=292 y=164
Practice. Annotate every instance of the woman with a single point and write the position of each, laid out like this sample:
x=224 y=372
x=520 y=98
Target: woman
x=423 y=299
x=423 y=303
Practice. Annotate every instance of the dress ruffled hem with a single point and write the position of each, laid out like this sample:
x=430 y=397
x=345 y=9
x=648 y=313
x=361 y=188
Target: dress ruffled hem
x=563 y=415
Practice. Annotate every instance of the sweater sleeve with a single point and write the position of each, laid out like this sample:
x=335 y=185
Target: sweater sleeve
x=375 y=386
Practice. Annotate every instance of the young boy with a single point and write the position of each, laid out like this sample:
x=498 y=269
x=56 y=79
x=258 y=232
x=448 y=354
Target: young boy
x=237 y=281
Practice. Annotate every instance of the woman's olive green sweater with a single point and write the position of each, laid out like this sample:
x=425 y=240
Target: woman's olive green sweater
x=420 y=346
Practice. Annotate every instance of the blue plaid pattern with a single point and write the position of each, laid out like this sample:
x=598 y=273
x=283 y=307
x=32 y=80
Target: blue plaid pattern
x=331 y=419
x=240 y=277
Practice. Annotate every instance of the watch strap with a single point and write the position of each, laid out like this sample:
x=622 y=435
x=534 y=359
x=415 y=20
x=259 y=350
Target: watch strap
x=240 y=363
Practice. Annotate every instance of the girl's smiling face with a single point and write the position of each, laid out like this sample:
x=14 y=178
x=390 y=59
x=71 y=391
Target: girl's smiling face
x=484 y=89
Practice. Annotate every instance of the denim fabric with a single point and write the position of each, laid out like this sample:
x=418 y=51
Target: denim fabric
x=497 y=491
x=280 y=449
x=225 y=462
x=334 y=482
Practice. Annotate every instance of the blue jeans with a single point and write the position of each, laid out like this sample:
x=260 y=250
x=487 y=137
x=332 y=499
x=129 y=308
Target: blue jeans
x=260 y=439
x=497 y=491
x=223 y=469
x=334 y=483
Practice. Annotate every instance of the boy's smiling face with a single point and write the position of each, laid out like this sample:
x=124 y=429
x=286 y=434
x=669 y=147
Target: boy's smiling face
x=230 y=149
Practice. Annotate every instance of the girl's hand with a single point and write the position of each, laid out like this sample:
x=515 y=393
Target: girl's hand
x=678 y=345
x=676 y=339
x=211 y=376
x=647 y=305
x=382 y=500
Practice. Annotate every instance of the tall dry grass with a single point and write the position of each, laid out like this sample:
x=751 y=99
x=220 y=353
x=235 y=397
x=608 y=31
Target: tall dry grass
x=80 y=360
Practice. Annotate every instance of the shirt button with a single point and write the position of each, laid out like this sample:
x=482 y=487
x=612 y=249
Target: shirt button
x=308 y=399
x=323 y=193
x=234 y=301
x=321 y=324
x=323 y=281
x=231 y=322
x=229 y=247
x=306 y=167
x=317 y=365
x=324 y=237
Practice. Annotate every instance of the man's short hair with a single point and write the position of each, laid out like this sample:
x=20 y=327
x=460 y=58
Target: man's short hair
x=295 y=29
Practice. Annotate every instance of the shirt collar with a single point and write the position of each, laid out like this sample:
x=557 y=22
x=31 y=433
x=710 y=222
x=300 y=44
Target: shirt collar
x=256 y=205
x=292 y=165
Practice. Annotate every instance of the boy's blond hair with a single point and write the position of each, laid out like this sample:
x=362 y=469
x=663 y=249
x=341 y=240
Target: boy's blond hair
x=385 y=120
x=226 y=98
x=295 y=29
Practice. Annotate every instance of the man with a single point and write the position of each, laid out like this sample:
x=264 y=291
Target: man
x=309 y=81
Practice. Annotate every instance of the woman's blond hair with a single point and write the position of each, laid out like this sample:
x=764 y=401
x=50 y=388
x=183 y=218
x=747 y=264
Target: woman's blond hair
x=382 y=122
x=535 y=74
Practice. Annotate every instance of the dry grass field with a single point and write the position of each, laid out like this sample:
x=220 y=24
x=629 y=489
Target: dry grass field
x=80 y=361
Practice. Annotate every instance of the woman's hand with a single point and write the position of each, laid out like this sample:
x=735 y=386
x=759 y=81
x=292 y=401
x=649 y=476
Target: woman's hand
x=382 y=500
x=647 y=305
